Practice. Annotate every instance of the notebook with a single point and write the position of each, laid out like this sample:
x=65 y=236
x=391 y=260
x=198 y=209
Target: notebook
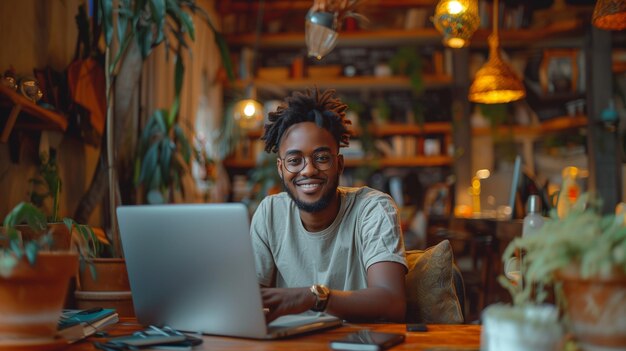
x=191 y=267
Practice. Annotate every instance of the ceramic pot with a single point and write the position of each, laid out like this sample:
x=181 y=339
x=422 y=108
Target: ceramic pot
x=109 y=288
x=596 y=308
x=32 y=298
x=520 y=328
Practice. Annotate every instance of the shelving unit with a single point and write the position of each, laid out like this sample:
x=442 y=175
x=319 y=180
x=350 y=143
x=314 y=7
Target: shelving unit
x=31 y=116
x=565 y=33
x=347 y=83
x=428 y=36
x=246 y=158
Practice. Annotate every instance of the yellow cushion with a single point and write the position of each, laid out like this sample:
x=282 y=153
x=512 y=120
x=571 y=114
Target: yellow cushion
x=431 y=295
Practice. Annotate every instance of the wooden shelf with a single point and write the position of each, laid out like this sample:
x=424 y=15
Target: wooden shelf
x=229 y=6
x=32 y=116
x=550 y=126
x=379 y=38
x=346 y=83
x=384 y=130
x=395 y=37
x=414 y=161
x=411 y=129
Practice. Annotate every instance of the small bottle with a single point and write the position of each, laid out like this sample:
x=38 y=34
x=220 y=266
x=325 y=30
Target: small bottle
x=569 y=191
x=533 y=220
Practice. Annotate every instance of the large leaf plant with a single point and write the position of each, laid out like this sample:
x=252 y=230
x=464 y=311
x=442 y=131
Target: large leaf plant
x=164 y=152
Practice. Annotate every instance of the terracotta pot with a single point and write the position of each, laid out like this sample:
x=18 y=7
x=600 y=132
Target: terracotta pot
x=32 y=298
x=61 y=238
x=109 y=289
x=596 y=308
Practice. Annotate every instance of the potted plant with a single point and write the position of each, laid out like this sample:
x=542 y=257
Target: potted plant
x=579 y=261
x=34 y=276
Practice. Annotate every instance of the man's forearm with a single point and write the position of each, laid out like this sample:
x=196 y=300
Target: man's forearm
x=371 y=304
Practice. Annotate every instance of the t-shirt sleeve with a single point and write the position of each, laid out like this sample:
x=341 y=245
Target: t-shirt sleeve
x=259 y=231
x=381 y=233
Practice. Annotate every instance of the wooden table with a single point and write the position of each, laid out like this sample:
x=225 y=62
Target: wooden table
x=457 y=337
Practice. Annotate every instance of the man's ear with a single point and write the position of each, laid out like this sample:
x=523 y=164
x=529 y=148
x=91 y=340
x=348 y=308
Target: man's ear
x=340 y=163
x=279 y=167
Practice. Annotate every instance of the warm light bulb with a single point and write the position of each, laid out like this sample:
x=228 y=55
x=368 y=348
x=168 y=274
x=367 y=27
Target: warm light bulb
x=249 y=110
x=455 y=7
x=455 y=43
x=483 y=173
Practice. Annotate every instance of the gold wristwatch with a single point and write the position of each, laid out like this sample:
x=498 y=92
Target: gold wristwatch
x=321 y=293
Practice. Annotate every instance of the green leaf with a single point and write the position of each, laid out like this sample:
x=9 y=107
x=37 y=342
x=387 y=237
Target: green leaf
x=31 y=249
x=178 y=75
x=149 y=164
x=183 y=142
x=166 y=158
x=171 y=118
x=145 y=41
x=188 y=24
x=107 y=23
x=225 y=55
x=25 y=212
x=156 y=181
x=158 y=12
x=155 y=126
x=122 y=25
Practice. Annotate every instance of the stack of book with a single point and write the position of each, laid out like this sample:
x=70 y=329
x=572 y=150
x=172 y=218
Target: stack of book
x=76 y=325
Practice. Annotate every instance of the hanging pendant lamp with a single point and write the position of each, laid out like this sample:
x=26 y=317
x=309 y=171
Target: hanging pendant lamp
x=495 y=81
x=457 y=20
x=609 y=14
x=248 y=112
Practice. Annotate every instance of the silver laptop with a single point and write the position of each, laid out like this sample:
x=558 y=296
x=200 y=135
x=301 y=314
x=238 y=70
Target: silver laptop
x=191 y=267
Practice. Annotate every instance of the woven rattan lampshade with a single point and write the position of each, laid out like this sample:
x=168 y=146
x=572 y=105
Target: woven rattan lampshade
x=457 y=20
x=495 y=81
x=610 y=14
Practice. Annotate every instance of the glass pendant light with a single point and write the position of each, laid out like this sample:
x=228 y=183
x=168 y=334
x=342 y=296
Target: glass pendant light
x=323 y=23
x=457 y=20
x=495 y=81
x=320 y=33
x=609 y=14
x=248 y=113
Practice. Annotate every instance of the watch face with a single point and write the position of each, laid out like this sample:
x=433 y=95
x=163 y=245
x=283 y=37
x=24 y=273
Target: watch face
x=320 y=291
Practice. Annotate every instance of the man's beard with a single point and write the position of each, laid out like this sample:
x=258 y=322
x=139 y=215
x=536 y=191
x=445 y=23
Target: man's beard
x=318 y=205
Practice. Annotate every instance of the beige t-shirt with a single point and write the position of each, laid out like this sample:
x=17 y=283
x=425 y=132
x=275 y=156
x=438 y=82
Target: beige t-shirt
x=366 y=231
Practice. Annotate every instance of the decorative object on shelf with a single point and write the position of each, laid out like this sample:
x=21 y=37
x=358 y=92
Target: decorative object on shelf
x=610 y=14
x=558 y=72
x=323 y=22
x=9 y=79
x=29 y=87
x=495 y=81
x=457 y=20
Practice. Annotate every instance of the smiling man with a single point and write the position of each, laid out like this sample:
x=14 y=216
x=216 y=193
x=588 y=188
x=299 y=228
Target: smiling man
x=319 y=246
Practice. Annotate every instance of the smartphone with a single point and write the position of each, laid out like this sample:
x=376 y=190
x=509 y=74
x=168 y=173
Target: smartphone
x=416 y=327
x=367 y=340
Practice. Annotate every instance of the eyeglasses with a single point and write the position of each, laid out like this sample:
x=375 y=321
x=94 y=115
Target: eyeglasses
x=322 y=161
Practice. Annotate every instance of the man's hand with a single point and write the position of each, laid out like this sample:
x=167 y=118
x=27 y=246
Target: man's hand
x=282 y=301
